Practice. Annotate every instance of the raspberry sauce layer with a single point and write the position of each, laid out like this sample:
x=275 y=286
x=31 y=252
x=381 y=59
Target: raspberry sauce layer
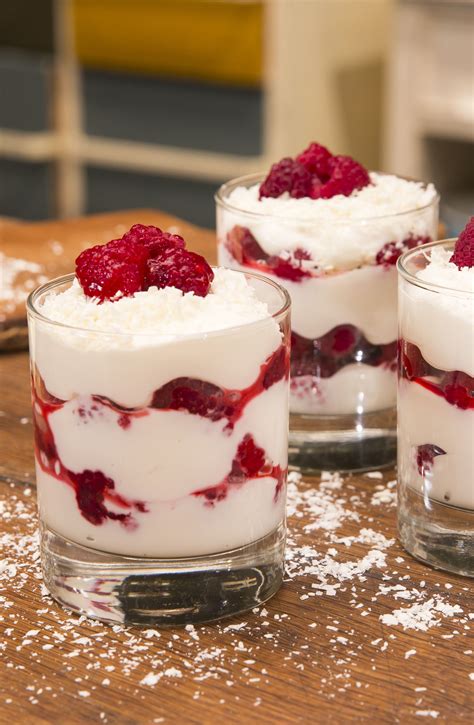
x=455 y=386
x=341 y=346
x=246 y=250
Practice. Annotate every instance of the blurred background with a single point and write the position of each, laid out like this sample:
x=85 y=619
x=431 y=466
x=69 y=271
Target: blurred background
x=114 y=104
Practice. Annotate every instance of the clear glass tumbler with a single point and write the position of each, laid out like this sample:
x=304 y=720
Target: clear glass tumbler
x=161 y=464
x=435 y=417
x=344 y=323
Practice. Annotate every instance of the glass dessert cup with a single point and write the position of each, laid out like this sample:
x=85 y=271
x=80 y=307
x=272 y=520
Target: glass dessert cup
x=435 y=417
x=344 y=324
x=161 y=464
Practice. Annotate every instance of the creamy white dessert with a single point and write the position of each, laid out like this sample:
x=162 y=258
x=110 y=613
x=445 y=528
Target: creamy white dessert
x=436 y=385
x=161 y=418
x=336 y=258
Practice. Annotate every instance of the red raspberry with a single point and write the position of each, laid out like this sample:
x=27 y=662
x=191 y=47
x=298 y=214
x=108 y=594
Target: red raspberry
x=316 y=159
x=153 y=238
x=464 y=250
x=107 y=270
x=458 y=389
x=179 y=268
x=425 y=455
x=286 y=175
x=346 y=175
x=198 y=397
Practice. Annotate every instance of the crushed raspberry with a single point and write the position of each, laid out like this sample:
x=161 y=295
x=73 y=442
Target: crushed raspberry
x=391 y=251
x=187 y=271
x=463 y=255
x=425 y=455
x=145 y=256
x=345 y=176
x=344 y=345
x=458 y=388
x=315 y=173
x=244 y=247
x=91 y=488
x=276 y=369
x=287 y=175
x=249 y=459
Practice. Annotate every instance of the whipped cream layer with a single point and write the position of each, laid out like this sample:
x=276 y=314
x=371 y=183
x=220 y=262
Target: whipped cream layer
x=341 y=232
x=151 y=338
x=441 y=321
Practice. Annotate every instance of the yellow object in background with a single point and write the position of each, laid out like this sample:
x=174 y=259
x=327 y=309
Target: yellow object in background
x=219 y=42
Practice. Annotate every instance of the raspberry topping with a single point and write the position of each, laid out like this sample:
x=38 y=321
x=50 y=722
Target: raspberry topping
x=287 y=175
x=179 y=268
x=145 y=256
x=463 y=255
x=315 y=173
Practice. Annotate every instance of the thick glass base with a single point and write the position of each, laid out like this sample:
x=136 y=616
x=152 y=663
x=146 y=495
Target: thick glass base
x=343 y=442
x=436 y=533
x=144 y=591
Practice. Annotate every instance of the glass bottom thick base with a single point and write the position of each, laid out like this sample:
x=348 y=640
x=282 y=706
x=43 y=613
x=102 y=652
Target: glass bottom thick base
x=343 y=442
x=436 y=533
x=143 y=591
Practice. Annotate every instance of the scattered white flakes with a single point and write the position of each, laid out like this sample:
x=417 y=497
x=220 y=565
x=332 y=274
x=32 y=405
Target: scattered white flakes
x=84 y=693
x=427 y=713
x=421 y=616
x=173 y=672
x=374 y=474
x=151 y=678
x=471 y=675
x=410 y=653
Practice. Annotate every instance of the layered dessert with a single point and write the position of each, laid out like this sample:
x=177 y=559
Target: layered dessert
x=331 y=233
x=436 y=372
x=160 y=398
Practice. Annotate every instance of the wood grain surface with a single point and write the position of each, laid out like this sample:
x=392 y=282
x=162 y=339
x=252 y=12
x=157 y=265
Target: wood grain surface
x=317 y=652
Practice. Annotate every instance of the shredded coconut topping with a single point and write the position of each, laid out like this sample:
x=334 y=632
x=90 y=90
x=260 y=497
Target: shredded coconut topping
x=231 y=302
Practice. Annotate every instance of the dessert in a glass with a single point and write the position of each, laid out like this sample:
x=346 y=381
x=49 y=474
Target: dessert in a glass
x=436 y=403
x=160 y=400
x=331 y=233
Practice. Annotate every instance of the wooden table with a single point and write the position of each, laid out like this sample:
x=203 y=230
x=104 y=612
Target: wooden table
x=327 y=648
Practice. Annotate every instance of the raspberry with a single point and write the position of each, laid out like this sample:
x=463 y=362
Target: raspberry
x=284 y=269
x=316 y=159
x=391 y=251
x=249 y=459
x=176 y=267
x=153 y=238
x=196 y=396
x=411 y=361
x=287 y=175
x=463 y=255
x=345 y=176
x=145 y=256
x=107 y=270
x=344 y=339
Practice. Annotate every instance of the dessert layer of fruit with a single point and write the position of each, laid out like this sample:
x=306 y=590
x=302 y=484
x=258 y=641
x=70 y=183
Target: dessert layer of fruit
x=160 y=402
x=331 y=232
x=436 y=367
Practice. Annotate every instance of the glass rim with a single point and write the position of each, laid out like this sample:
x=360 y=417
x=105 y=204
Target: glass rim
x=431 y=286
x=175 y=337
x=224 y=189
